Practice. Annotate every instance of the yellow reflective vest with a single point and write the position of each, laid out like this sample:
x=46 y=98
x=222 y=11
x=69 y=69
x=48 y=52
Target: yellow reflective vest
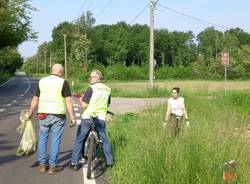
x=98 y=104
x=51 y=100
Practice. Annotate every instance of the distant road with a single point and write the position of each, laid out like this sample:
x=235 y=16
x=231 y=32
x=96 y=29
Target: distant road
x=16 y=95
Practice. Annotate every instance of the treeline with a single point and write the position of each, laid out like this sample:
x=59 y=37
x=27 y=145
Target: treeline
x=122 y=47
x=15 y=28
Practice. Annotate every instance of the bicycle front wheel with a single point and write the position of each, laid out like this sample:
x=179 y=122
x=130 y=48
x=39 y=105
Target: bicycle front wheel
x=91 y=154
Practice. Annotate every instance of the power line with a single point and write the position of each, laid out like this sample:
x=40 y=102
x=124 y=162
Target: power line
x=194 y=18
x=107 y=5
x=90 y=4
x=180 y=17
x=81 y=9
x=142 y=12
x=139 y=13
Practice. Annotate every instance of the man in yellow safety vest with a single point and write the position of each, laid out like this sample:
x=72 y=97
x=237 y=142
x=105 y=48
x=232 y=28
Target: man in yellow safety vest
x=52 y=97
x=95 y=101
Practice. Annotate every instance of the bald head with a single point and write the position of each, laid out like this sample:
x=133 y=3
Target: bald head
x=57 y=69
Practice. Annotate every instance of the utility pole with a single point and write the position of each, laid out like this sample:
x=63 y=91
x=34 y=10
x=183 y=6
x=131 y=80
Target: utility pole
x=36 y=65
x=45 y=61
x=65 y=55
x=151 y=51
x=50 y=61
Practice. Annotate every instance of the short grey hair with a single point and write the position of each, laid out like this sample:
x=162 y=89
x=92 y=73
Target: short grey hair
x=98 y=73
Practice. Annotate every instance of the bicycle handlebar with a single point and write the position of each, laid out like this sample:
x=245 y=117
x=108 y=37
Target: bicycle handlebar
x=111 y=113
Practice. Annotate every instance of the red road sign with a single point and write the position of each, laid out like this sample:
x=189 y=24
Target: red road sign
x=225 y=58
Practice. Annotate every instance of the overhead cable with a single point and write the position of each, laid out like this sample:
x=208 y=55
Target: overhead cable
x=139 y=13
x=107 y=5
x=194 y=18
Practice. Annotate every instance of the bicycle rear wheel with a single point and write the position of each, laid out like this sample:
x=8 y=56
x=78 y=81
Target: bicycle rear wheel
x=91 y=154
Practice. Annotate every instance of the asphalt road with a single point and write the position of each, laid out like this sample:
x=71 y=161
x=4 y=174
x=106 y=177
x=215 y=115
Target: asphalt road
x=15 y=95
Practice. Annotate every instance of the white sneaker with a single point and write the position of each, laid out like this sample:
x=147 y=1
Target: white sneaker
x=82 y=160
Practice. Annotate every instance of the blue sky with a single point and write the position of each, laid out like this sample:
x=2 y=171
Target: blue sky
x=224 y=13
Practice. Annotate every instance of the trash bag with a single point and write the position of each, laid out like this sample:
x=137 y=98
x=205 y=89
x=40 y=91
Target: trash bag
x=28 y=144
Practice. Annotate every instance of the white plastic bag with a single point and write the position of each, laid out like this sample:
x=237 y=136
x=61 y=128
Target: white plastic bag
x=28 y=144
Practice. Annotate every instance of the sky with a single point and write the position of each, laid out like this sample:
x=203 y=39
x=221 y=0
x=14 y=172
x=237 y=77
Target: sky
x=174 y=15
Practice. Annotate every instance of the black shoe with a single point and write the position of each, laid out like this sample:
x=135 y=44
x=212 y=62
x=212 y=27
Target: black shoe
x=73 y=167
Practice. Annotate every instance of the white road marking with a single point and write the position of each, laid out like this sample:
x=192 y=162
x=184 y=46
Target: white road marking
x=8 y=105
x=3 y=109
x=27 y=90
x=75 y=108
x=7 y=82
x=14 y=101
x=85 y=179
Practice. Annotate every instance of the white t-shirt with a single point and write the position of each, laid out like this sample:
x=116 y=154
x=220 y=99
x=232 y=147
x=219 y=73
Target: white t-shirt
x=177 y=105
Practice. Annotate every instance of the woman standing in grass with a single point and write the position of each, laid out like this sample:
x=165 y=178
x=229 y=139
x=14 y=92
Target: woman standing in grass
x=176 y=112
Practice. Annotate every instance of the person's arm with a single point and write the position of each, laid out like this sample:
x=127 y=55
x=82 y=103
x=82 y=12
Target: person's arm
x=70 y=108
x=86 y=98
x=66 y=93
x=84 y=105
x=33 y=105
x=185 y=113
x=168 y=112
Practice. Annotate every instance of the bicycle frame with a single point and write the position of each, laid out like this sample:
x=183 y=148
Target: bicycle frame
x=92 y=143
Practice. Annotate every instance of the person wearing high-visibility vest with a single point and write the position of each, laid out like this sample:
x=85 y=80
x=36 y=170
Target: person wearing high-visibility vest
x=95 y=102
x=52 y=97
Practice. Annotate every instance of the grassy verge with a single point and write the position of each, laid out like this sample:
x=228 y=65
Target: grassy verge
x=4 y=77
x=141 y=89
x=146 y=153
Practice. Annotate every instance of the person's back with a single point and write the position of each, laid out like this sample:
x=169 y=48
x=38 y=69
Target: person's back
x=98 y=104
x=51 y=100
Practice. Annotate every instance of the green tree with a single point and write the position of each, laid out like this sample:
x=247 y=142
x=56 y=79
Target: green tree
x=15 y=23
x=138 y=45
x=57 y=45
x=10 y=60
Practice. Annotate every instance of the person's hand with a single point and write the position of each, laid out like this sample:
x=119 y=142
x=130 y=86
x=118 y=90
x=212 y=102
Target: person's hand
x=29 y=115
x=72 y=122
x=187 y=124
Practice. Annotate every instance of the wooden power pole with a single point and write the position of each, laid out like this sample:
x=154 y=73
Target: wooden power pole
x=151 y=51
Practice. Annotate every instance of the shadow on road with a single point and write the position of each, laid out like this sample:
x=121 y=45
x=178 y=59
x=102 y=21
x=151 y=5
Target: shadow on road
x=6 y=146
x=64 y=159
x=99 y=167
x=8 y=158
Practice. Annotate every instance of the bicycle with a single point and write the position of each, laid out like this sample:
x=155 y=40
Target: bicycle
x=93 y=142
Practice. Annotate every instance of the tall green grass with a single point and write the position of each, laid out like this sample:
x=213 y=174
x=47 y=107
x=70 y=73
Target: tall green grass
x=146 y=153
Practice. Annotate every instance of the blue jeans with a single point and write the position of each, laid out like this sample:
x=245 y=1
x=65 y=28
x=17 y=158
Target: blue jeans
x=55 y=126
x=82 y=133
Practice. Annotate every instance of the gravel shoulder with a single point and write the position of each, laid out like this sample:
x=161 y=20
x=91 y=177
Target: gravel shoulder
x=125 y=105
